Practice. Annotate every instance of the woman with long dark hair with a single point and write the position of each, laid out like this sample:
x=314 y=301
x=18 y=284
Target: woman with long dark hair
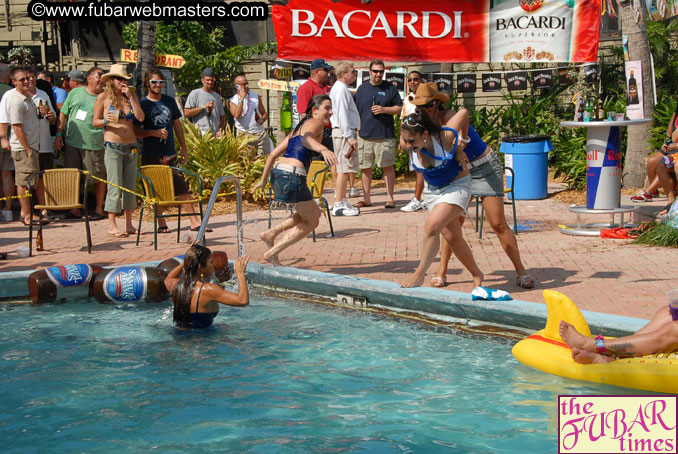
x=195 y=301
x=289 y=177
x=447 y=190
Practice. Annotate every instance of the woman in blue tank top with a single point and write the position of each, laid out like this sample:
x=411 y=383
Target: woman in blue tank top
x=487 y=181
x=196 y=302
x=447 y=190
x=288 y=177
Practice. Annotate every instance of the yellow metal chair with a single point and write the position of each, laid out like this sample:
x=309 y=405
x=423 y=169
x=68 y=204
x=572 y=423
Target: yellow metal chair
x=315 y=179
x=62 y=192
x=159 y=186
x=480 y=219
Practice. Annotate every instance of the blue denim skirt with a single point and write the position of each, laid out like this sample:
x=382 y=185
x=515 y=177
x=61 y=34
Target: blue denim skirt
x=289 y=187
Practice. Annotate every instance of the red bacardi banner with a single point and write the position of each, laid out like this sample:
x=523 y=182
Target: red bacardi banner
x=439 y=30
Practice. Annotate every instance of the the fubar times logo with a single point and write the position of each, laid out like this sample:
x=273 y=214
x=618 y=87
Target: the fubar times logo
x=617 y=424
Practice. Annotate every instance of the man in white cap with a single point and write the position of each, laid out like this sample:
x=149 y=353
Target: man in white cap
x=250 y=114
x=204 y=106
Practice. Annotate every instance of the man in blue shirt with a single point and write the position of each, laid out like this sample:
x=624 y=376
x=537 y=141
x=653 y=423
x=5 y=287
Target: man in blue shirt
x=377 y=102
x=162 y=120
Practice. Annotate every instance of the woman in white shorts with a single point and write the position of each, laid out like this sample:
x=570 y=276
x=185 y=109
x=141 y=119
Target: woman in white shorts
x=447 y=191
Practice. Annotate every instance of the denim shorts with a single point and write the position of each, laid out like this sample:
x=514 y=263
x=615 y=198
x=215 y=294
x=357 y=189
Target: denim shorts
x=488 y=179
x=289 y=187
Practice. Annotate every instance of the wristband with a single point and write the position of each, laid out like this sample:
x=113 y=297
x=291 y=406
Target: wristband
x=600 y=344
x=104 y=122
x=202 y=108
x=58 y=134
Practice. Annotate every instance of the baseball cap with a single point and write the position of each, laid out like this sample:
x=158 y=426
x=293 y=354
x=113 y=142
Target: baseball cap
x=208 y=72
x=76 y=74
x=320 y=63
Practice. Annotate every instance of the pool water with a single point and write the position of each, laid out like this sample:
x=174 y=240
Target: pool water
x=274 y=377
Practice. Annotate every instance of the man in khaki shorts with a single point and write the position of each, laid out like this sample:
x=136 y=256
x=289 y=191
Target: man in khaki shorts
x=345 y=123
x=83 y=144
x=24 y=139
x=377 y=101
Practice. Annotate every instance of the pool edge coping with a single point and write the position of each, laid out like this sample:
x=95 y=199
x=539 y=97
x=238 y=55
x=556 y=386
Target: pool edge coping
x=518 y=313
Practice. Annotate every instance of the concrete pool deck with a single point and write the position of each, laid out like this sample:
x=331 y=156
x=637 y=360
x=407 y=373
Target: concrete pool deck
x=601 y=275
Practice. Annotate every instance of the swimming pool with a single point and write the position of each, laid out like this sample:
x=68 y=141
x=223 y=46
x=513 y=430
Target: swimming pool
x=275 y=377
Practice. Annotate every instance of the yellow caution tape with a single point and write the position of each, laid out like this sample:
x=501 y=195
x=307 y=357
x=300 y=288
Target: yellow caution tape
x=28 y=194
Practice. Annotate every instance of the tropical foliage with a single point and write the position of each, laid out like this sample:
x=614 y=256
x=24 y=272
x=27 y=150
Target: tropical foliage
x=212 y=157
x=200 y=46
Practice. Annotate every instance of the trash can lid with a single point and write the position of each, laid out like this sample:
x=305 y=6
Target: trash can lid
x=525 y=139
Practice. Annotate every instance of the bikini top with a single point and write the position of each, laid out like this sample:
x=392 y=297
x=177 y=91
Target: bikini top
x=200 y=320
x=447 y=169
x=123 y=116
x=476 y=147
x=295 y=150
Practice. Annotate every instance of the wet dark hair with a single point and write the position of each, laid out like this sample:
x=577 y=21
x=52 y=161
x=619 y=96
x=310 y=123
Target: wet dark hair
x=314 y=103
x=418 y=123
x=196 y=257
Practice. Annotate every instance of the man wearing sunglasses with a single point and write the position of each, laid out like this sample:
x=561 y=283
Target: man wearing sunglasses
x=377 y=101
x=414 y=78
x=162 y=119
x=250 y=115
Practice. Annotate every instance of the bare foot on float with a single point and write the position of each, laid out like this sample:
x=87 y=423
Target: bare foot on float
x=266 y=239
x=272 y=259
x=414 y=281
x=583 y=357
x=478 y=280
x=572 y=337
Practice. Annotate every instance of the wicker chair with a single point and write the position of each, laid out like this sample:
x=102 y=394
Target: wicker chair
x=315 y=179
x=62 y=192
x=159 y=186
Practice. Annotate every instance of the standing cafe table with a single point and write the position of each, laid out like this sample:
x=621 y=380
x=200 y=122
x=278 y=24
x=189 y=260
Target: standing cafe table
x=603 y=175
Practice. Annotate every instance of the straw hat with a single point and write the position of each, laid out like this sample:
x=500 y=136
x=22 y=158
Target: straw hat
x=428 y=92
x=116 y=71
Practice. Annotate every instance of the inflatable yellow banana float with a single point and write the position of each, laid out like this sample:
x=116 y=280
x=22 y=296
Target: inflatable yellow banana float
x=546 y=351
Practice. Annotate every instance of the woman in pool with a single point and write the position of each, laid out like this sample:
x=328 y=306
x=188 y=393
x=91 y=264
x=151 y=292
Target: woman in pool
x=195 y=301
x=115 y=109
x=486 y=178
x=660 y=335
x=448 y=187
x=288 y=177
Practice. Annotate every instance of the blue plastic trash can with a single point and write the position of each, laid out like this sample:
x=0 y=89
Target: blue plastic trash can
x=528 y=157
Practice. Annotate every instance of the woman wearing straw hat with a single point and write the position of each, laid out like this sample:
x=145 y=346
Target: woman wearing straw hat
x=115 y=109
x=486 y=179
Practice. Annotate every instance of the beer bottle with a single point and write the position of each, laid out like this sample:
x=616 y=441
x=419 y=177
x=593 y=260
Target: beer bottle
x=130 y=284
x=221 y=270
x=38 y=241
x=286 y=114
x=588 y=111
x=601 y=110
x=633 y=90
x=40 y=106
x=60 y=282
x=580 y=111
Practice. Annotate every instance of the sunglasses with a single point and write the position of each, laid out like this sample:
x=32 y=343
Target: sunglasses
x=355 y=71
x=413 y=121
x=120 y=79
x=24 y=79
x=428 y=105
x=414 y=80
x=97 y=74
x=377 y=71
x=156 y=82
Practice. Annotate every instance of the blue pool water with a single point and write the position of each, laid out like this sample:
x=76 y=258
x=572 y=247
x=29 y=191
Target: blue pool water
x=275 y=377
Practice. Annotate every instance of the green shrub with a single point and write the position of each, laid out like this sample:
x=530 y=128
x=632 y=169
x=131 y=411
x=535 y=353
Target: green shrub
x=213 y=157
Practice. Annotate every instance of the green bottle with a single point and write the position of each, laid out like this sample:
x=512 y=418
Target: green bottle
x=286 y=114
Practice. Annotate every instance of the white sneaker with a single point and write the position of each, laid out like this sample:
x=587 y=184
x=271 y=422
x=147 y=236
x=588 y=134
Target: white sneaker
x=345 y=209
x=7 y=216
x=354 y=192
x=414 y=205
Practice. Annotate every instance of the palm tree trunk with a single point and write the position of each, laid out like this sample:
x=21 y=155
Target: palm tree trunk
x=638 y=146
x=146 y=52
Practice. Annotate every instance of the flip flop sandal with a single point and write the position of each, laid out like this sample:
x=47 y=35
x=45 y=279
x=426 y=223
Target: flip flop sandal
x=438 y=282
x=525 y=281
x=196 y=229
x=163 y=229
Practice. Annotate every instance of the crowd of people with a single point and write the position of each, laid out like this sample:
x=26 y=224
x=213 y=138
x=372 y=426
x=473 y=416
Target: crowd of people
x=98 y=123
